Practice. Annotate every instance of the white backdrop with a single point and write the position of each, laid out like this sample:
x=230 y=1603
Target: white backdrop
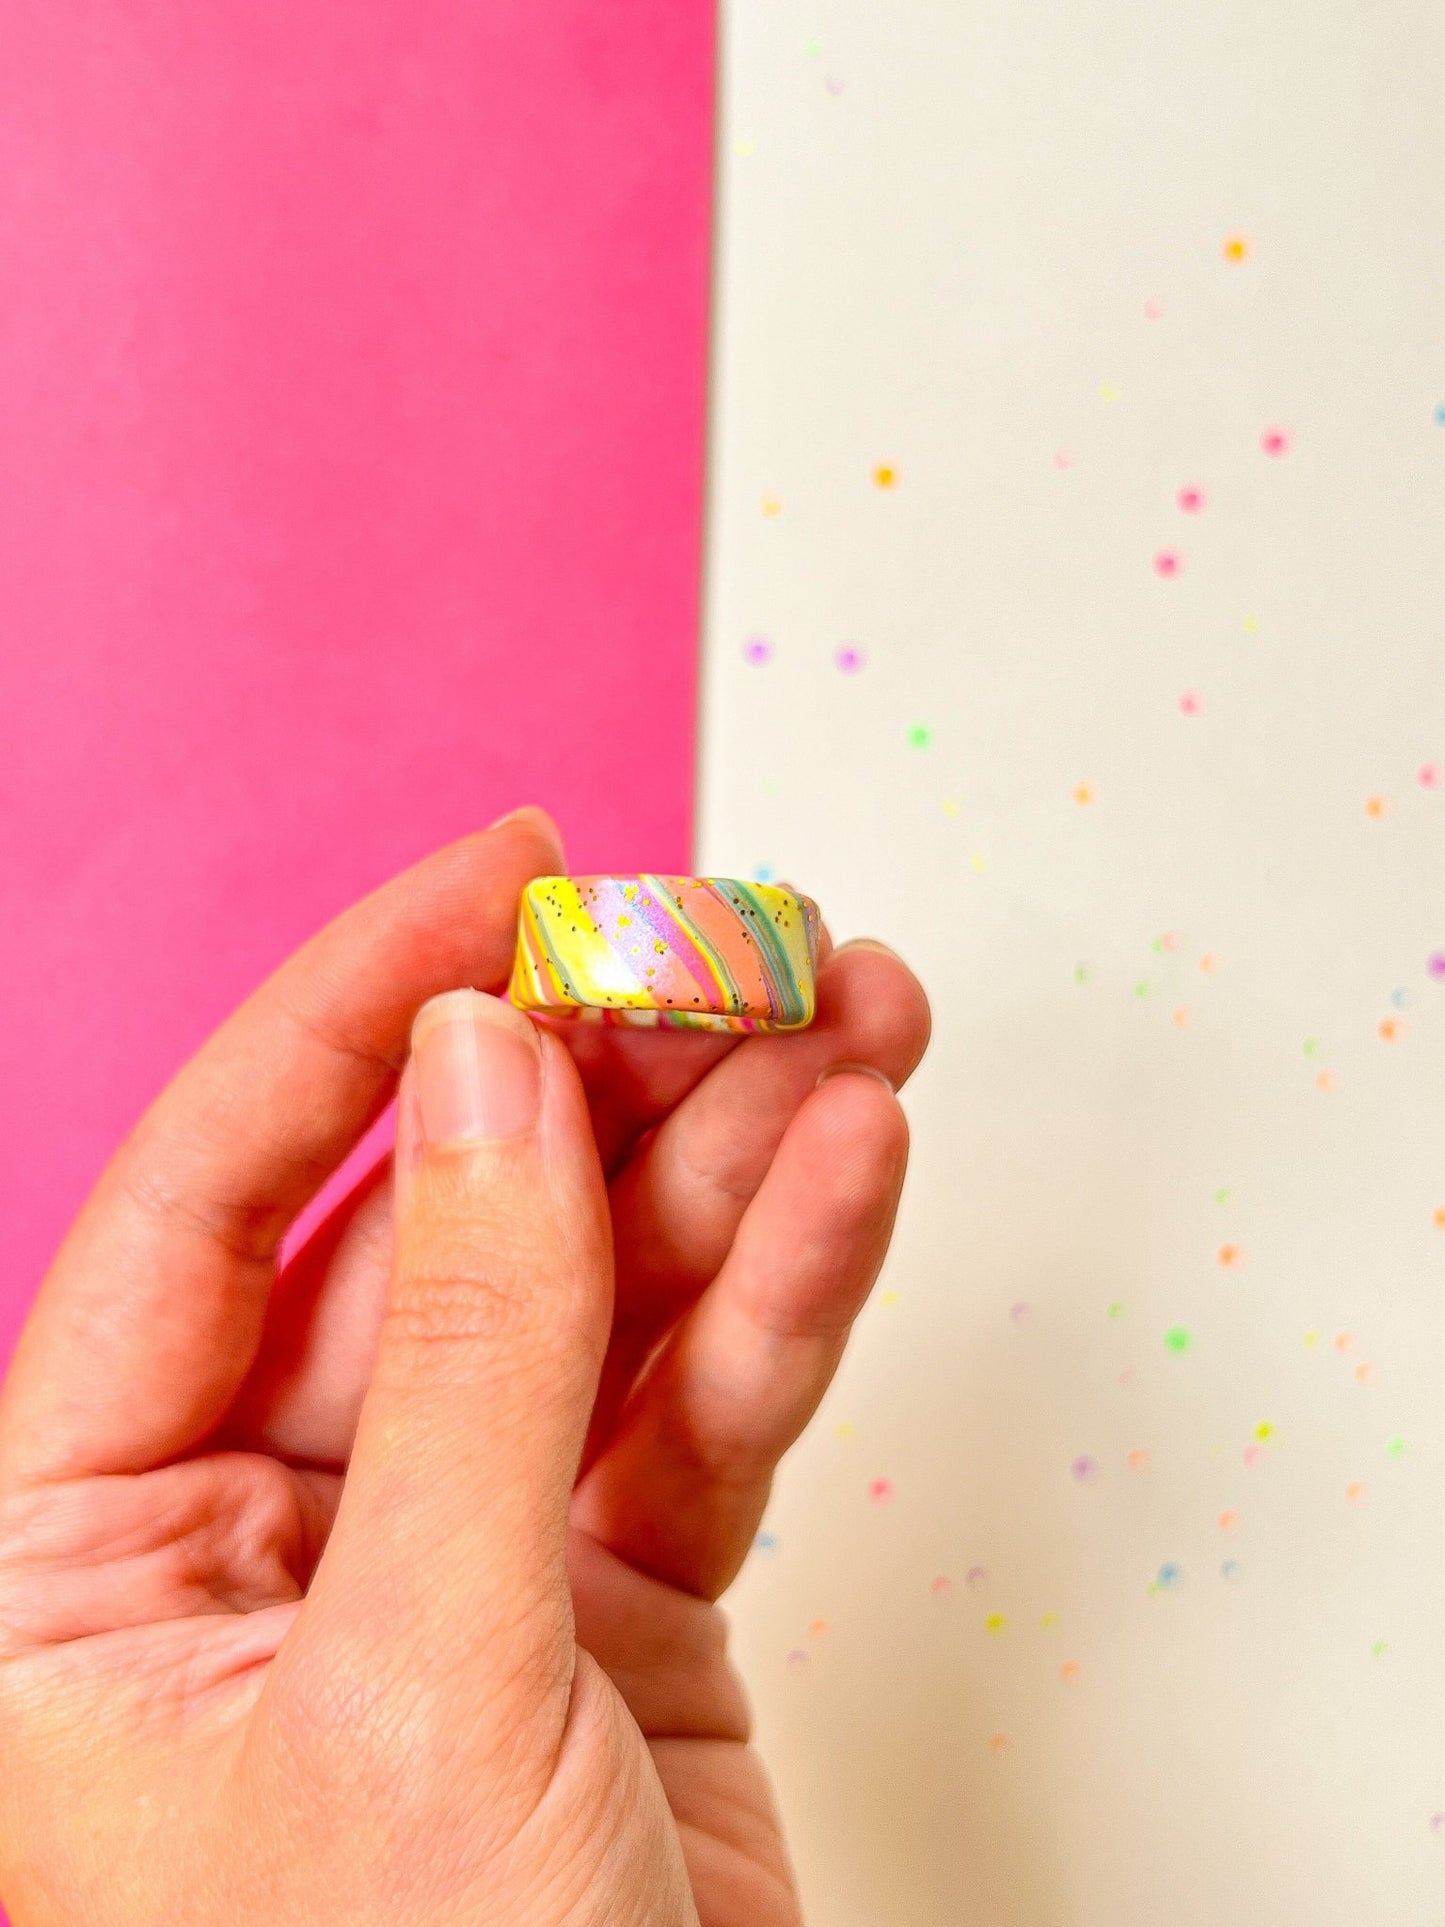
x=1140 y=757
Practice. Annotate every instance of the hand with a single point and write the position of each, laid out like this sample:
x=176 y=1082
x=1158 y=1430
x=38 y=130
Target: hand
x=306 y=1615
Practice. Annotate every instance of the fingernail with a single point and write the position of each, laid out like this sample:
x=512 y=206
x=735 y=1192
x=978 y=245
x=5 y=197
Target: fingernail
x=861 y=1070
x=534 y=814
x=871 y=943
x=478 y=1069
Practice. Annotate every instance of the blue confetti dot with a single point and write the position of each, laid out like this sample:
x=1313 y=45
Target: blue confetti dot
x=1230 y=1571
x=1170 y=1575
x=766 y=1542
x=762 y=873
x=1440 y=414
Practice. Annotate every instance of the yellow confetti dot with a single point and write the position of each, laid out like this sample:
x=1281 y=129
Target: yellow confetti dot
x=1236 y=248
x=743 y=149
x=950 y=806
x=885 y=476
x=888 y=1298
x=978 y=862
x=1108 y=392
x=1376 y=807
x=1084 y=793
x=1264 y=1430
x=1251 y=623
x=1049 y=1620
x=844 y=1431
x=995 y=1623
x=1311 y=1340
x=772 y=505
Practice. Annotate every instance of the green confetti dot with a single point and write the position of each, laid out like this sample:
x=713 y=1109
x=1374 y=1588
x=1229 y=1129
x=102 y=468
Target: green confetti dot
x=813 y=49
x=920 y=736
x=1379 y=1649
x=1222 y=1195
x=1141 y=990
x=1397 y=1448
x=1082 y=973
x=1177 y=1339
x=1116 y=1310
x=1311 y=1046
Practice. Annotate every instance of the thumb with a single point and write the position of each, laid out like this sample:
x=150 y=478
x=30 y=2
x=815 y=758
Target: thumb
x=447 y=1562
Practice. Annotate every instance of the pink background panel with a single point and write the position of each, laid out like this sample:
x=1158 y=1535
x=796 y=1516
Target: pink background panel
x=352 y=369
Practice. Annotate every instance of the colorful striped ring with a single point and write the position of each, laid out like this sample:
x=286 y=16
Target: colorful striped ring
x=702 y=953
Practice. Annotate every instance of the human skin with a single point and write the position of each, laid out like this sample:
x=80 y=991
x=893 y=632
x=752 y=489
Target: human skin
x=381 y=1589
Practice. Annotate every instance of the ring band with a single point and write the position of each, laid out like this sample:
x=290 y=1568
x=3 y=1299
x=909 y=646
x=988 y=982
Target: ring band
x=703 y=953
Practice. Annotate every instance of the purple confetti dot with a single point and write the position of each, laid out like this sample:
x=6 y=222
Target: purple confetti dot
x=1084 y=1470
x=849 y=658
x=1436 y=966
x=1019 y=1313
x=974 y=1577
x=758 y=649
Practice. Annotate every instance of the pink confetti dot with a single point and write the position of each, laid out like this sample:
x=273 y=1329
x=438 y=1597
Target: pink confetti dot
x=1153 y=310
x=942 y=1587
x=1191 y=703
x=880 y=1491
x=1192 y=499
x=1168 y=562
x=1251 y=1456
x=1063 y=460
x=1429 y=776
x=1436 y=966
x=849 y=658
x=1275 y=441
x=758 y=650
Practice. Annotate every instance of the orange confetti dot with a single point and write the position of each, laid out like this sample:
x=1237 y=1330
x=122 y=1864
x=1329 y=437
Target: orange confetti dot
x=1137 y=1459
x=1236 y=248
x=1376 y=806
x=885 y=475
x=999 y=1743
x=1069 y=1671
x=1325 y=1081
x=1391 y=1028
x=1355 y=1491
x=1440 y=1217
x=818 y=1626
x=1181 y=1018
x=1084 y=793
x=1208 y=964
x=1228 y=1521
x=1343 y=1342
x=1230 y=1256
x=1364 y=1373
